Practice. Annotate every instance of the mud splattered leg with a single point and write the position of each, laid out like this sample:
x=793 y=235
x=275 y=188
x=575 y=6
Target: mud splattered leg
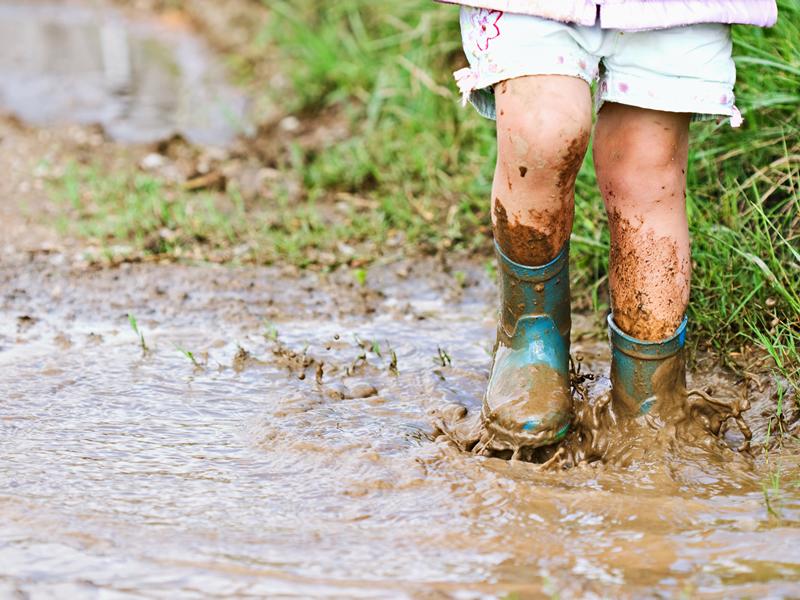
x=542 y=132
x=543 y=128
x=640 y=157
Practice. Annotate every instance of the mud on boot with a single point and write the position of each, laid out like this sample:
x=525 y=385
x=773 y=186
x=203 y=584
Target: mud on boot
x=642 y=372
x=528 y=401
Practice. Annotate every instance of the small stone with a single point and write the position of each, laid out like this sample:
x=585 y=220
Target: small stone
x=336 y=391
x=152 y=161
x=290 y=124
x=362 y=390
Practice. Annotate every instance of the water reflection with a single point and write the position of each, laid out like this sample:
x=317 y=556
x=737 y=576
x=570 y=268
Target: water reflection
x=141 y=81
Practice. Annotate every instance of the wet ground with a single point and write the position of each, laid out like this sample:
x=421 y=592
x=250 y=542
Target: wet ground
x=296 y=461
x=275 y=432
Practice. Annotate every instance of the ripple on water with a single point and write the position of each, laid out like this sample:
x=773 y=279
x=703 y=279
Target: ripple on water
x=148 y=474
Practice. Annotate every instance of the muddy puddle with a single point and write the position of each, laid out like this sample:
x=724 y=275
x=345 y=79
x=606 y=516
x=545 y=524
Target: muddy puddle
x=298 y=460
x=142 y=81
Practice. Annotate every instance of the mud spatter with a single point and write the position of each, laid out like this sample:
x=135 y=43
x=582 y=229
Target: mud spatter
x=529 y=244
x=572 y=160
x=605 y=431
x=636 y=259
x=534 y=395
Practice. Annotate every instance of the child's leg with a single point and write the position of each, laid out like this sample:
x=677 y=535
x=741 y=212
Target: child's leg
x=543 y=128
x=640 y=157
x=543 y=125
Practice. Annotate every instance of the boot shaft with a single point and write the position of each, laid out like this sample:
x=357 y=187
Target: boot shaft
x=641 y=370
x=534 y=291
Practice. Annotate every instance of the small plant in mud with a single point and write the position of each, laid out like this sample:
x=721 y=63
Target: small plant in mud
x=779 y=420
x=392 y=360
x=442 y=358
x=270 y=331
x=359 y=362
x=772 y=491
x=360 y=276
x=190 y=355
x=138 y=332
x=461 y=278
x=374 y=347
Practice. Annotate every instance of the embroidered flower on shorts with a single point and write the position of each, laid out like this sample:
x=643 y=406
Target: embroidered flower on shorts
x=484 y=26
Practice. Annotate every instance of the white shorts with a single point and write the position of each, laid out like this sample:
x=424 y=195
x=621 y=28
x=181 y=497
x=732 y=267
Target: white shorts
x=680 y=69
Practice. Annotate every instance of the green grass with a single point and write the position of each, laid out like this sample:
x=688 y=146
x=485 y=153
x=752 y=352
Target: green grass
x=428 y=163
x=128 y=214
x=415 y=171
x=144 y=212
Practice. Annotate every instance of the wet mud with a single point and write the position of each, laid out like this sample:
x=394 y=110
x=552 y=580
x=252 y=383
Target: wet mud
x=571 y=162
x=287 y=434
x=513 y=397
x=533 y=242
x=636 y=259
x=299 y=456
x=140 y=80
x=608 y=427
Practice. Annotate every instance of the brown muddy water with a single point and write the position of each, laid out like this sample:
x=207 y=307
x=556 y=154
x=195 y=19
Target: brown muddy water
x=142 y=81
x=297 y=462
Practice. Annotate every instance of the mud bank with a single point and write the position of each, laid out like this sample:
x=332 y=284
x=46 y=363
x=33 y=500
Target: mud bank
x=298 y=456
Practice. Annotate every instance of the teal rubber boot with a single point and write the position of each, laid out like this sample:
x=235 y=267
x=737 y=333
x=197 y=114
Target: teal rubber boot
x=528 y=402
x=641 y=371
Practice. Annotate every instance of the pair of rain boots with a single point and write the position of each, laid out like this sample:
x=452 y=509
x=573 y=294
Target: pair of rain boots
x=528 y=401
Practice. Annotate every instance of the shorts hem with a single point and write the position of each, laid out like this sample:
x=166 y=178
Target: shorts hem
x=481 y=96
x=699 y=111
x=703 y=100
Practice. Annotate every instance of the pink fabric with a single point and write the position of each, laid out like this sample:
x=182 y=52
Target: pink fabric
x=639 y=14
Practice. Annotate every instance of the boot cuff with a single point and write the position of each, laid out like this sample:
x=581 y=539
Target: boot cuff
x=647 y=350
x=534 y=274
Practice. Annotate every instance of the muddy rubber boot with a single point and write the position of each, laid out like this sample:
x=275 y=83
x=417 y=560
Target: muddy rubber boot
x=528 y=402
x=641 y=371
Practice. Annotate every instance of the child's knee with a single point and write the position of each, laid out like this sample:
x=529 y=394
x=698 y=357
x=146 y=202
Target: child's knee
x=543 y=142
x=625 y=153
x=641 y=162
x=642 y=178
